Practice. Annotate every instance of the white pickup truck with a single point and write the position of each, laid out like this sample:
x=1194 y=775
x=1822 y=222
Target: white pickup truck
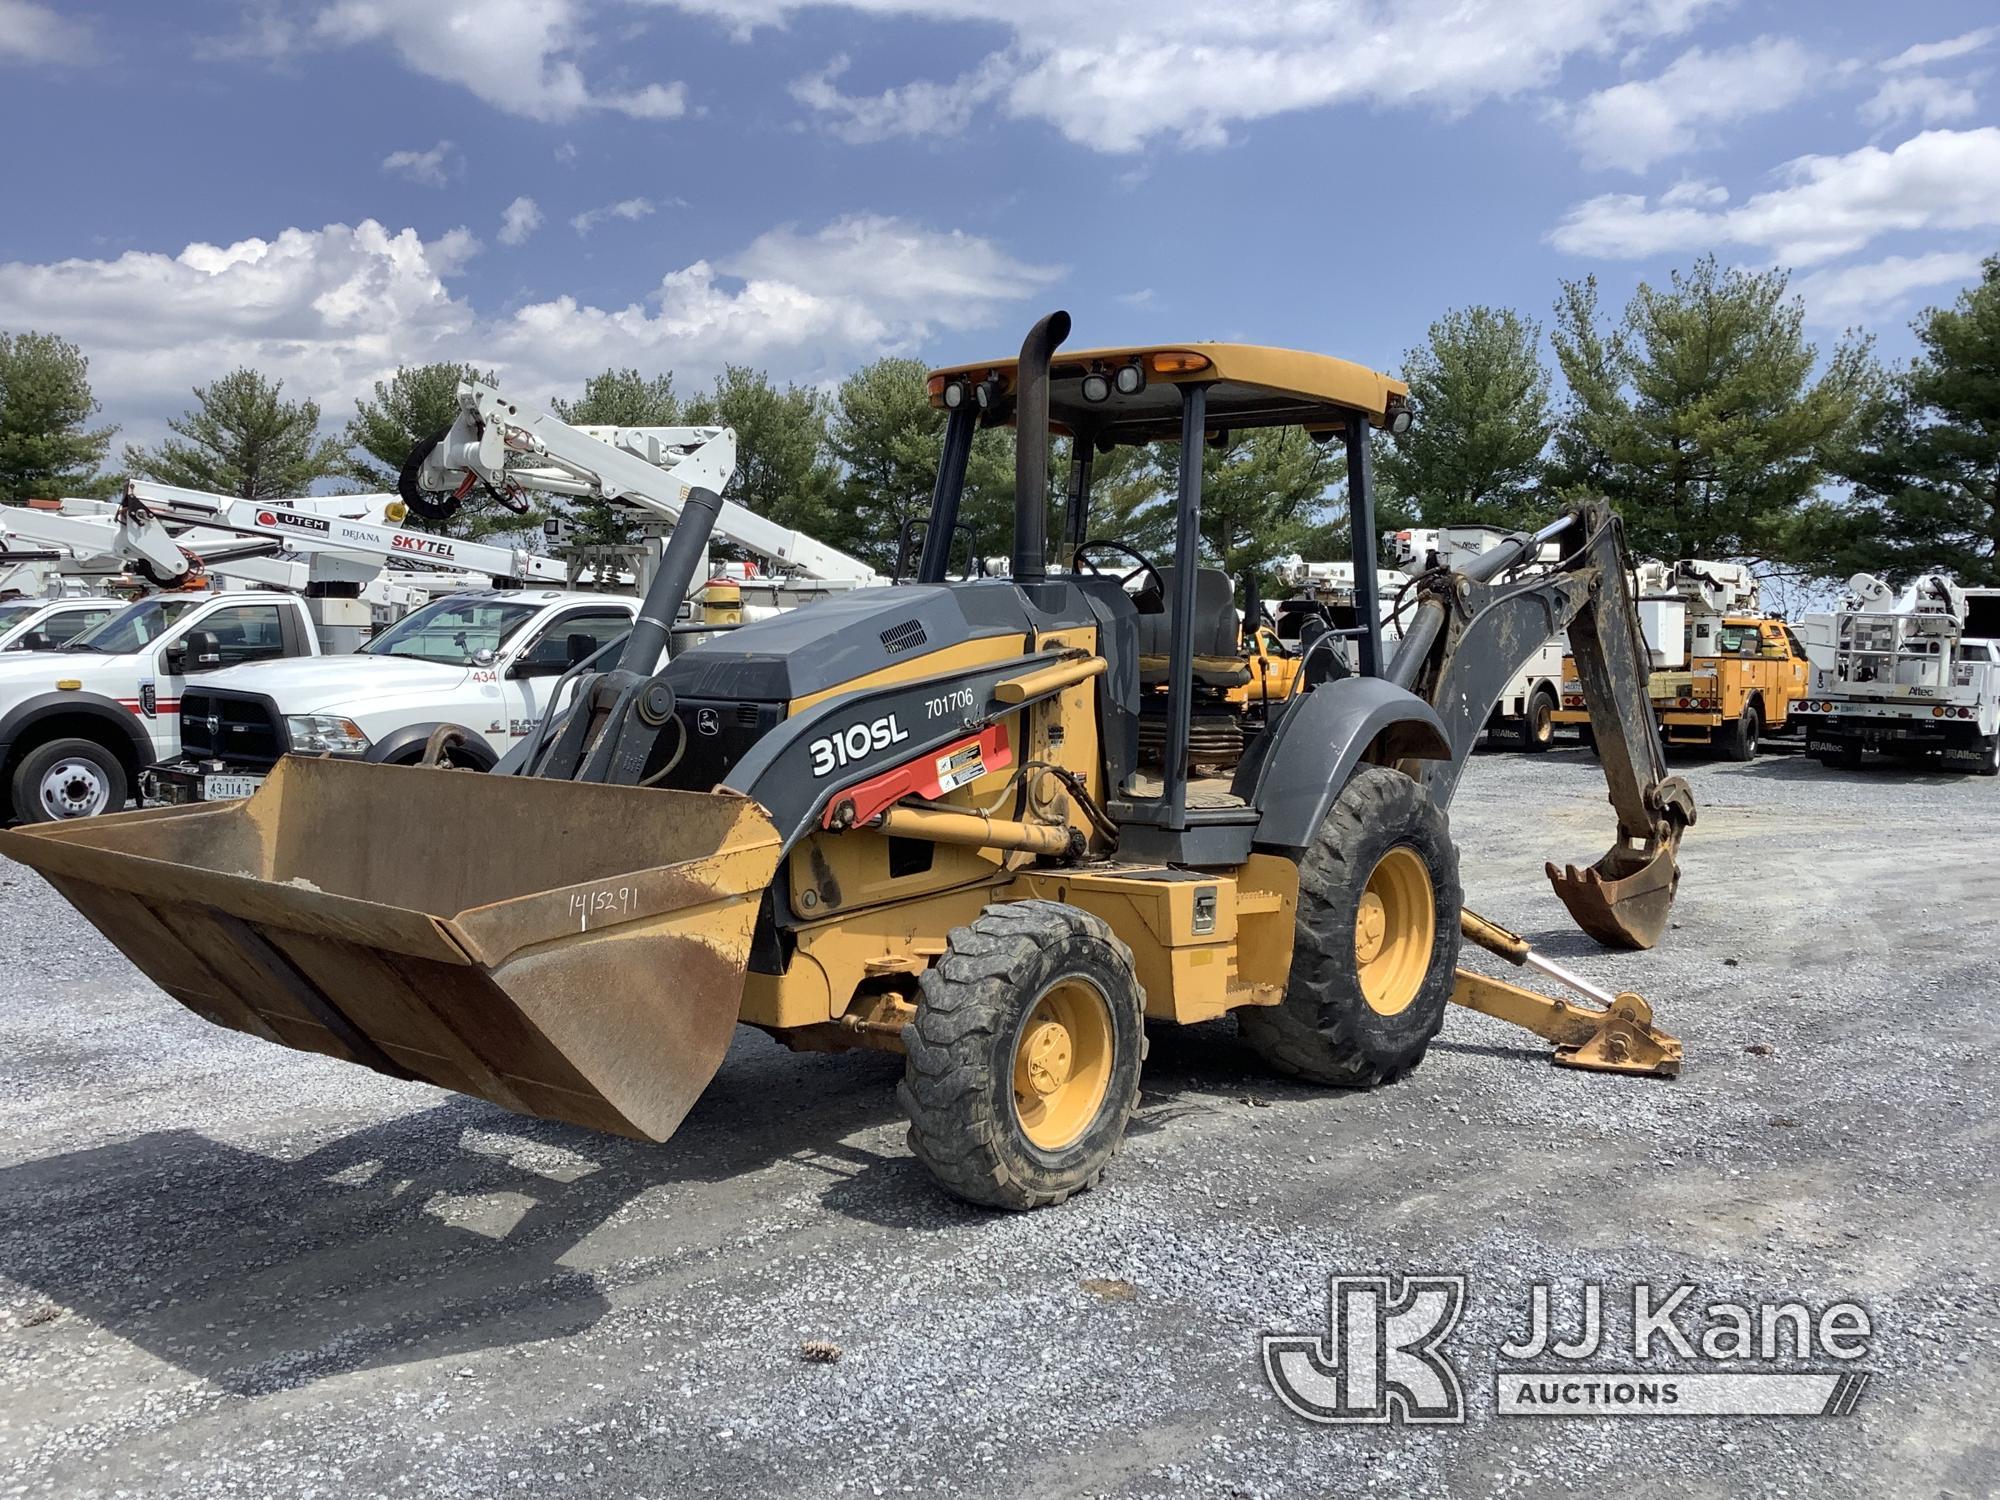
x=35 y=624
x=78 y=724
x=481 y=663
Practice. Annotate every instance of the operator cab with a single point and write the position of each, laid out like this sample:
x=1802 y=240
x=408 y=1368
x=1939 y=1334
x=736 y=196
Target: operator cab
x=1185 y=652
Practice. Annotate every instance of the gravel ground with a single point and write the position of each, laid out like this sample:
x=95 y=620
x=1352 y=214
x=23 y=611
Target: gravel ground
x=227 y=1269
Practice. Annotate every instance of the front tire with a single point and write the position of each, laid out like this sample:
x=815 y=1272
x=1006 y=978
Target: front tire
x=1022 y=1066
x=1377 y=945
x=69 y=778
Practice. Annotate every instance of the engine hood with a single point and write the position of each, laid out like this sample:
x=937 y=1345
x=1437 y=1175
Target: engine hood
x=319 y=684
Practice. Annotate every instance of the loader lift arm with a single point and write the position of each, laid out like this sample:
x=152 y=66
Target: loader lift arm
x=1474 y=628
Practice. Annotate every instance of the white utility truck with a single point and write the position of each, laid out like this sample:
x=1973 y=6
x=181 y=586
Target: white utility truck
x=79 y=725
x=476 y=672
x=30 y=624
x=1913 y=673
x=476 y=669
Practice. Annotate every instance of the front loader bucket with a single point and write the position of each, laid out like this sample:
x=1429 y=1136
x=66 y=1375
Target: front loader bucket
x=1625 y=899
x=570 y=951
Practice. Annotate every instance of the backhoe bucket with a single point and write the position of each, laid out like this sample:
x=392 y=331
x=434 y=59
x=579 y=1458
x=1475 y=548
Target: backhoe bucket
x=1625 y=899
x=566 y=950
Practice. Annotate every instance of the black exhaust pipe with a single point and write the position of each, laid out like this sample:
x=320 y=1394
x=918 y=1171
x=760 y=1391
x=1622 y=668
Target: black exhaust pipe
x=1031 y=448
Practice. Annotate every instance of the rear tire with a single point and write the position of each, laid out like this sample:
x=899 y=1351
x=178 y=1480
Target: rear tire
x=66 y=779
x=1989 y=753
x=1377 y=945
x=1538 y=728
x=1022 y=1066
x=1738 y=741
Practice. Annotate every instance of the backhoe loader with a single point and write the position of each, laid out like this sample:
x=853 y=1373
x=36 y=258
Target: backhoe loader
x=919 y=818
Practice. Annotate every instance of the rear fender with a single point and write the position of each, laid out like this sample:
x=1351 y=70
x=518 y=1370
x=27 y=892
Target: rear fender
x=1297 y=768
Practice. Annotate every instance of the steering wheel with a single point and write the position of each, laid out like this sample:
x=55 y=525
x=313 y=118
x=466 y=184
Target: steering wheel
x=1150 y=599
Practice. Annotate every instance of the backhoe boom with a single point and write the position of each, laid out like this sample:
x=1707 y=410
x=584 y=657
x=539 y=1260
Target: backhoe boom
x=1474 y=627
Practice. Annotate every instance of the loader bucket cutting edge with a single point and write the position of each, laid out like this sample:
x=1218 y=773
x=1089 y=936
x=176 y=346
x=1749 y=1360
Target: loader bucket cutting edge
x=1625 y=899
x=566 y=950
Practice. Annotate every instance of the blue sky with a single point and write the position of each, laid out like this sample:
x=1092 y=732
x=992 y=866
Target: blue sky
x=324 y=188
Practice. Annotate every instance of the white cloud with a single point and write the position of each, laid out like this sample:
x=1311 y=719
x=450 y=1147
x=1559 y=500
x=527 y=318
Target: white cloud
x=520 y=56
x=35 y=33
x=1195 y=68
x=921 y=108
x=518 y=220
x=629 y=209
x=1925 y=53
x=1919 y=97
x=1865 y=293
x=1635 y=124
x=1828 y=206
x=432 y=168
x=333 y=309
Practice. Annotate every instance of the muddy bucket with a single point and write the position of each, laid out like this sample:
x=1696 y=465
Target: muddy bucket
x=569 y=951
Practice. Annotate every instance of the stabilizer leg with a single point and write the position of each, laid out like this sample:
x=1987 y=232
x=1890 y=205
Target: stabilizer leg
x=1614 y=1035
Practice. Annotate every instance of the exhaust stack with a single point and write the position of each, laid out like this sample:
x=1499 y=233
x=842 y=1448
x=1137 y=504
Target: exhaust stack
x=1031 y=448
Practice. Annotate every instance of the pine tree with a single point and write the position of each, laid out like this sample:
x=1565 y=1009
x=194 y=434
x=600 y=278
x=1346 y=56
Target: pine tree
x=1698 y=416
x=1926 y=480
x=243 y=438
x=1483 y=419
x=46 y=451
x=887 y=438
x=783 y=467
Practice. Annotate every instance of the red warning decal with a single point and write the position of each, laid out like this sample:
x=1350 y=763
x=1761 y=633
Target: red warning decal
x=933 y=774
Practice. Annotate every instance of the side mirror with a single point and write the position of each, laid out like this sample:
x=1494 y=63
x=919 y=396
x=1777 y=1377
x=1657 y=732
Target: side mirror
x=581 y=645
x=34 y=640
x=197 y=651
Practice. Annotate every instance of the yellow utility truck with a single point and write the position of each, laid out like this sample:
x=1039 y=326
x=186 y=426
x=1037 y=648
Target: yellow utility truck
x=1725 y=674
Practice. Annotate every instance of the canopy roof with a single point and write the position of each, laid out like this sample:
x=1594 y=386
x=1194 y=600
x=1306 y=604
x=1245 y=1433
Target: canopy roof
x=1248 y=386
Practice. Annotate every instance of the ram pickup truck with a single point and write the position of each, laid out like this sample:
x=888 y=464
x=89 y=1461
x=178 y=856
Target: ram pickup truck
x=480 y=663
x=80 y=723
x=42 y=624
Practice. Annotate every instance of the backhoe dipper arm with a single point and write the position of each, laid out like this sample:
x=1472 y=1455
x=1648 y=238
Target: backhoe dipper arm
x=1474 y=629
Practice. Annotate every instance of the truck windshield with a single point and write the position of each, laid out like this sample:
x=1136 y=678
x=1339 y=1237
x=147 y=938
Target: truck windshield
x=1737 y=640
x=452 y=630
x=133 y=627
x=14 y=611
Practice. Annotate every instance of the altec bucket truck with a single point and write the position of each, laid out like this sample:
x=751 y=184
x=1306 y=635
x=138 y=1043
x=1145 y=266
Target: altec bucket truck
x=1908 y=673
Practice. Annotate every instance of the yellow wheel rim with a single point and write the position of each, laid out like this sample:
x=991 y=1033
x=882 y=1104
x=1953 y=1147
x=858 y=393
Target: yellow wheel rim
x=1062 y=1064
x=1395 y=930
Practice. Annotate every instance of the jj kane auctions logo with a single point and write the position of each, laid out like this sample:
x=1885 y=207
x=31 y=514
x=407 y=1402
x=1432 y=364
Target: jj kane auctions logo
x=1386 y=1356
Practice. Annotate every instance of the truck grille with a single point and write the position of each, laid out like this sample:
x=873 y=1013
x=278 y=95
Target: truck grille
x=236 y=728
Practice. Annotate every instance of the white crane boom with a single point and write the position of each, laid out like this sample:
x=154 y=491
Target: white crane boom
x=513 y=446
x=149 y=506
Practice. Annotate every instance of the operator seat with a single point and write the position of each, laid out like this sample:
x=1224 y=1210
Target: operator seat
x=1218 y=656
